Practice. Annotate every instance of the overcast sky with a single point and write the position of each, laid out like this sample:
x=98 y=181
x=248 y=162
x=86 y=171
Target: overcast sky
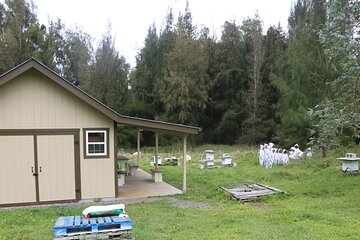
x=130 y=19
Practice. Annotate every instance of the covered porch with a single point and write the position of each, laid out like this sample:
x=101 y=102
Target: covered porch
x=142 y=186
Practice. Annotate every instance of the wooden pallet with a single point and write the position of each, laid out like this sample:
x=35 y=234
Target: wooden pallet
x=251 y=192
x=115 y=235
x=79 y=227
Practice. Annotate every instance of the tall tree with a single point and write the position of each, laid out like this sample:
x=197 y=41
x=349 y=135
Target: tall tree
x=21 y=36
x=225 y=108
x=145 y=77
x=185 y=23
x=185 y=92
x=73 y=52
x=274 y=71
x=109 y=75
x=304 y=84
x=337 y=119
x=257 y=124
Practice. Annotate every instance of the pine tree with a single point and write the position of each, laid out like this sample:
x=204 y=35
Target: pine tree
x=184 y=91
x=109 y=75
x=303 y=85
x=146 y=76
x=226 y=101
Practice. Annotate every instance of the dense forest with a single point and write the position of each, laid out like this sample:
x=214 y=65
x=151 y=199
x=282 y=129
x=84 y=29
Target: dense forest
x=249 y=85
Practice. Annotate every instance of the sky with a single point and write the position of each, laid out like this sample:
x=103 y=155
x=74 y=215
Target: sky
x=130 y=19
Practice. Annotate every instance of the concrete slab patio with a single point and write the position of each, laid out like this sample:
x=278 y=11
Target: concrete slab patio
x=142 y=186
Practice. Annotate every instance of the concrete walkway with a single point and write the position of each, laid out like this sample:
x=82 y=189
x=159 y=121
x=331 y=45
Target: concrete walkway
x=142 y=186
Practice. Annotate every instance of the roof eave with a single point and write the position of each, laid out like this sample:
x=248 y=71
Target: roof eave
x=153 y=125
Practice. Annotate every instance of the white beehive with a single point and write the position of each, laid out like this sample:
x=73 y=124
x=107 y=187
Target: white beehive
x=350 y=163
x=226 y=159
x=210 y=164
x=209 y=155
x=159 y=160
x=209 y=158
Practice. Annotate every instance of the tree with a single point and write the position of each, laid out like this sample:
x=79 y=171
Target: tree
x=146 y=75
x=185 y=23
x=109 y=75
x=73 y=52
x=257 y=124
x=21 y=36
x=337 y=120
x=228 y=80
x=185 y=92
x=304 y=84
x=275 y=65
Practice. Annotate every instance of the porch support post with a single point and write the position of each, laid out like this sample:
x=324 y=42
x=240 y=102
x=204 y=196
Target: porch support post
x=138 y=146
x=184 y=166
x=156 y=150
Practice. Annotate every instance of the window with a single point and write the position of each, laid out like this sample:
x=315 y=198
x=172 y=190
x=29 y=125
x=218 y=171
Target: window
x=96 y=143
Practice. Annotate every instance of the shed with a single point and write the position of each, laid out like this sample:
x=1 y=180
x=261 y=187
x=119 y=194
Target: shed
x=58 y=143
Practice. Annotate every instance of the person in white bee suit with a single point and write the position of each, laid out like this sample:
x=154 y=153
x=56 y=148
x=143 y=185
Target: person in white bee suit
x=296 y=153
x=285 y=157
x=309 y=153
x=261 y=155
x=267 y=156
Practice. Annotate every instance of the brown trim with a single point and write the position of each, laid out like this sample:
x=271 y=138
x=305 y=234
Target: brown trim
x=77 y=164
x=21 y=132
x=36 y=169
x=139 y=122
x=107 y=142
x=35 y=133
x=115 y=160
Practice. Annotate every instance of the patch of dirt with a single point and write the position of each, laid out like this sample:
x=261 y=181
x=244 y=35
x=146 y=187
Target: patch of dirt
x=140 y=200
x=189 y=204
x=259 y=205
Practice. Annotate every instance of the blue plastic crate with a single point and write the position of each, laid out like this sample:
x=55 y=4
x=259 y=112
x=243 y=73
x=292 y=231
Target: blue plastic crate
x=76 y=225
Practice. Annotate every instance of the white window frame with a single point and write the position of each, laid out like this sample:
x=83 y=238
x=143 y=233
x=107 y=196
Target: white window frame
x=87 y=143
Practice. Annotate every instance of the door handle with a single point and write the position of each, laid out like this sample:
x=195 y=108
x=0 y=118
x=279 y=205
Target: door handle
x=40 y=169
x=34 y=173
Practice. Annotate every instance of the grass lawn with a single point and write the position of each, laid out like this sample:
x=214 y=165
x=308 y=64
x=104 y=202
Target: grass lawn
x=321 y=203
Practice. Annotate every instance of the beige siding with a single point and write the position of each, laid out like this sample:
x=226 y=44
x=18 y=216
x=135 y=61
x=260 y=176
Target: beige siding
x=32 y=101
x=17 y=184
x=56 y=166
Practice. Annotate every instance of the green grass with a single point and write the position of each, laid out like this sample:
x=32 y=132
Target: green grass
x=321 y=203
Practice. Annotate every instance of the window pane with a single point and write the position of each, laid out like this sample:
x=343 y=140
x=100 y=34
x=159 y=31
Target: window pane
x=96 y=148
x=96 y=137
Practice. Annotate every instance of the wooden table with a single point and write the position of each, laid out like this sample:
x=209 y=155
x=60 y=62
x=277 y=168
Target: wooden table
x=125 y=160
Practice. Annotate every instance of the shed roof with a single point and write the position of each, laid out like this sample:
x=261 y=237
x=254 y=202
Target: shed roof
x=146 y=124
